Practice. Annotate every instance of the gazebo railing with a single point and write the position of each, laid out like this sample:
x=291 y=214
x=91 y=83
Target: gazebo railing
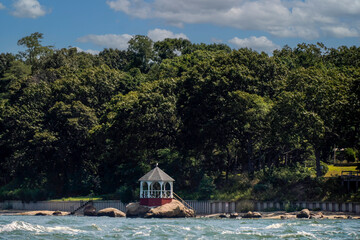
x=155 y=194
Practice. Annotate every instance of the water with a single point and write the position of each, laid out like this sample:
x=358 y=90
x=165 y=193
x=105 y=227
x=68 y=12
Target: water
x=72 y=227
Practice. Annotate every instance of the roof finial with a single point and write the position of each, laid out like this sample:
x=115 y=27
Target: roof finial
x=157 y=164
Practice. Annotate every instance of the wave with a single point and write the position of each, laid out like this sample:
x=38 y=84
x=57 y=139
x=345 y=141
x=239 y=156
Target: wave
x=299 y=234
x=275 y=225
x=24 y=226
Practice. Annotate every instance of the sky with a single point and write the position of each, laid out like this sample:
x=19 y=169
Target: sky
x=262 y=25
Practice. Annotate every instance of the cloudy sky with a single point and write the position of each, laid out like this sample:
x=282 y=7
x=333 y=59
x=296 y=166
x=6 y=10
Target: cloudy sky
x=263 y=25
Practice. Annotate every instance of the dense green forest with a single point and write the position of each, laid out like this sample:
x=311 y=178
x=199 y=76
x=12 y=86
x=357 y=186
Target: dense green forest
x=218 y=120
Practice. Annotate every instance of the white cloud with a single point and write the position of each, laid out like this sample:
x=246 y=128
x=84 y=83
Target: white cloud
x=93 y=52
x=284 y=18
x=121 y=41
x=28 y=9
x=2 y=6
x=161 y=34
x=108 y=40
x=340 y=32
x=256 y=43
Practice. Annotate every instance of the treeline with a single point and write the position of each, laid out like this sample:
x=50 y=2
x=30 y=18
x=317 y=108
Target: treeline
x=72 y=123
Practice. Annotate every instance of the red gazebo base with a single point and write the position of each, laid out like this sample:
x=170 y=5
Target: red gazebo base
x=154 y=201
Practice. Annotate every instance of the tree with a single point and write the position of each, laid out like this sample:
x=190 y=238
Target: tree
x=170 y=48
x=34 y=49
x=115 y=58
x=141 y=52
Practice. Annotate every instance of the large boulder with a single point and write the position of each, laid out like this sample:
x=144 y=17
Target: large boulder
x=305 y=213
x=57 y=213
x=252 y=215
x=42 y=213
x=136 y=210
x=174 y=209
x=111 y=212
x=316 y=215
x=89 y=210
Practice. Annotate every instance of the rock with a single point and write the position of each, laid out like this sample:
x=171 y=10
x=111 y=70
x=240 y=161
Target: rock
x=42 y=214
x=57 y=213
x=234 y=215
x=317 y=215
x=287 y=216
x=174 y=209
x=89 y=210
x=252 y=215
x=136 y=210
x=305 y=213
x=223 y=215
x=339 y=217
x=349 y=217
x=111 y=212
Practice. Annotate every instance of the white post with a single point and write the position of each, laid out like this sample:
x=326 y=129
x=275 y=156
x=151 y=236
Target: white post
x=141 y=190
x=148 y=193
x=171 y=190
x=161 y=189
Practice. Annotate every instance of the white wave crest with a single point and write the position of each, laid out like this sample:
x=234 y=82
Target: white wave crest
x=24 y=226
x=275 y=225
x=299 y=234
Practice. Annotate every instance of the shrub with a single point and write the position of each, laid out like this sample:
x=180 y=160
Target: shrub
x=125 y=194
x=245 y=206
x=350 y=154
x=206 y=187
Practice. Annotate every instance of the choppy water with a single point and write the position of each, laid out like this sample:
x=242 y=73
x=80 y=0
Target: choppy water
x=72 y=227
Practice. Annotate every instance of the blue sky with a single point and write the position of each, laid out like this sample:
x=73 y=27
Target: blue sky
x=263 y=25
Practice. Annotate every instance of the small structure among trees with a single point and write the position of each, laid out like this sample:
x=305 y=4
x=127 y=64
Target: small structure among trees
x=156 y=188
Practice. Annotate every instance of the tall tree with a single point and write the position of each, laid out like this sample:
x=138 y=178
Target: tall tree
x=34 y=48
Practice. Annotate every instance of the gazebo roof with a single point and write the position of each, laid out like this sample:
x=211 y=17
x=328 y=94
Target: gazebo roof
x=156 y=175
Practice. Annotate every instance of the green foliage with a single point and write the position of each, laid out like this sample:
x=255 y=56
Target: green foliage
x=288 y=207
x=351 y=154
x=206 y=187
x=23 y=194
x=34 y=48
x=261 y=126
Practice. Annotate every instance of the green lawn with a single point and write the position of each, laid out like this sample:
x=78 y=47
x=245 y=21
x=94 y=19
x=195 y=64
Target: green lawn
x=76 y=199
x=335 y=171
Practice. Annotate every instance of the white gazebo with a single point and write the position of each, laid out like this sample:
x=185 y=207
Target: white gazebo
x=156 y=188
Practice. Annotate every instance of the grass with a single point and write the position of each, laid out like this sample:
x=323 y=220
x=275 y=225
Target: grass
x=335 y=171
x=77 y=199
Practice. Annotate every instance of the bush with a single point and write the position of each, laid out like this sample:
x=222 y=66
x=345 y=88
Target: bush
x=324 y=168
x=124 y=194
x=350 y=154
x=206 y=187
x=23 y=194
x=245 y=206
x=288 y=207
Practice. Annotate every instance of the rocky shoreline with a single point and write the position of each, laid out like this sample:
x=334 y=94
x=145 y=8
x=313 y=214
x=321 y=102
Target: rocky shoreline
x=284 y=215
x=112 y=212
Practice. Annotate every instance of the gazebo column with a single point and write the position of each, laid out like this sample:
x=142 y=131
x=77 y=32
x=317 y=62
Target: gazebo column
x=164 y=189
x=141 y=190
x=148 y=193
x=171 y=190
x=161 y=188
